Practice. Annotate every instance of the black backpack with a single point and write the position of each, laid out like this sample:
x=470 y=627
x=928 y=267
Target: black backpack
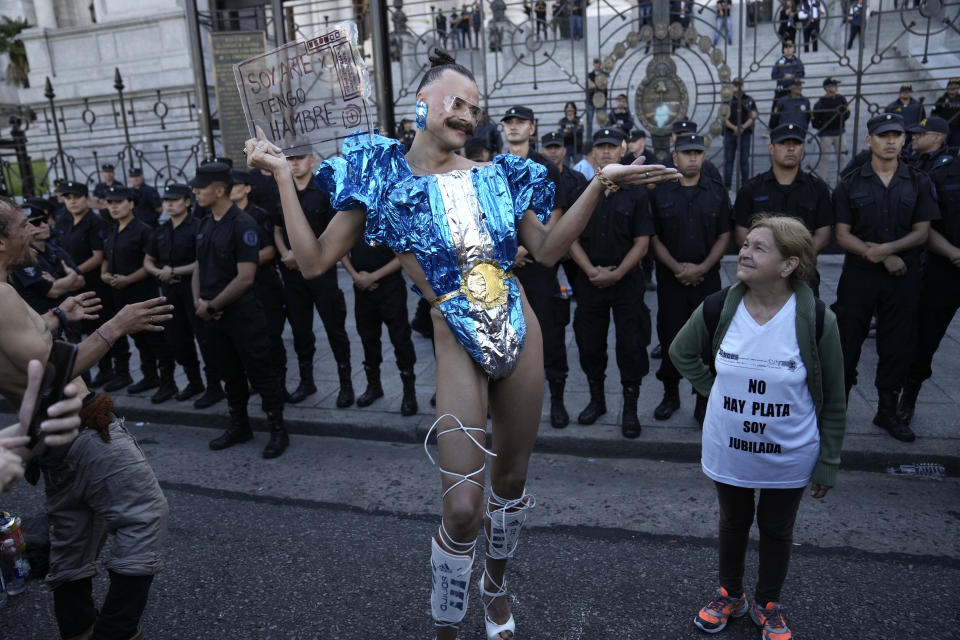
x=713 y=305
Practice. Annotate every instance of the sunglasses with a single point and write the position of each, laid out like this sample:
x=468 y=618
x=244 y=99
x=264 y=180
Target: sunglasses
x=39 y=220
x=457 y=105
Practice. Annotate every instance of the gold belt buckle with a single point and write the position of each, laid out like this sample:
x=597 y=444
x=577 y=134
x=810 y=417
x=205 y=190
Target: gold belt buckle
x=485 y=284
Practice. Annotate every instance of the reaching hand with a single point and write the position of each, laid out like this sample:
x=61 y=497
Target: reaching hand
x=83 y=306
x=637 y=174
x=148 y=315
x=263 y=154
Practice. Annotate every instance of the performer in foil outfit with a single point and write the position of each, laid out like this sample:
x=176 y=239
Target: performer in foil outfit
x=455 y=225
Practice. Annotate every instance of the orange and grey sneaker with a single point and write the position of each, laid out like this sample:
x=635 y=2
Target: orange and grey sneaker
x=713 y=617
x=770 y=620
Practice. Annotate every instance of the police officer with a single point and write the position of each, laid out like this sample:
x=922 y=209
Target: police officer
x=540 y=282
x=122 y=270
x=55 y=276
x=829 y=115
x=170 y=258
x=620 y=115
x=786 y=68
x=929 y=143
x=637 y=147
x=607 y=252
x=883 y=214
x=948 y=108
x=108 y=179
x=940 y=289
x=787 y=189
x=302 y=295
x=908 y=107
x=267 y=285
x=228 y=251
x=553 y=149
x=689 y=126
x=81 y=235
x=793 y=107
x=147 y=201
x=380 y=298
x=692 y=223
x=738 y=133
x=407 y=133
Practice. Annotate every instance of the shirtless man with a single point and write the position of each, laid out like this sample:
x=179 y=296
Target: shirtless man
x=98 y=484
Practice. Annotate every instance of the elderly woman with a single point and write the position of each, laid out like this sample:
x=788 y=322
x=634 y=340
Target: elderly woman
x=776 y=412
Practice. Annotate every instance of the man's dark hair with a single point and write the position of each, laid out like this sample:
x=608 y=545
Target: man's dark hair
x=587 y=147
x=440 y=61
x=7 y=206
x=473 y=149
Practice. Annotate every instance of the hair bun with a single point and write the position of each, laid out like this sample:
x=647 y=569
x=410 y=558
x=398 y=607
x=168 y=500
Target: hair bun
x=440 y=58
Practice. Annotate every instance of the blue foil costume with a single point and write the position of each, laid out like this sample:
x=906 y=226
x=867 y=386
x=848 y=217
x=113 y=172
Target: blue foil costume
x=462 y=228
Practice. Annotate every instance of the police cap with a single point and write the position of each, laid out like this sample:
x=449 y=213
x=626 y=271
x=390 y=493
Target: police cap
x=831 y=81
x=609 y=135
x=738 y=81
x=637 y=134
x=211 y=172
x=37 y=207
x=885 y=122
x=788 y=131
x=176 y=191
x=953 y=82
x=684 y=126
x=74 y=187
x=789 y=82
x=552 y=139
x=690 y=142
x=519 y=111
x=107 y=168
x=135 y=172
x=116 y=193
x=241 y=177
x=932 y=124
x=220 y=159
x=906 y=87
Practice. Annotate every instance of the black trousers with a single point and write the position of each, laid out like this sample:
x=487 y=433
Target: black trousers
x=270 y=295
x=150 y=344
x=631 y=318
x=323 y=293
x=939 y=301
x=540 y=285
x=867 y=288
x=811 y=35
x=385 y=305
x=239 y=343
x=178 y=334
x=776 y=513
x=675 y=303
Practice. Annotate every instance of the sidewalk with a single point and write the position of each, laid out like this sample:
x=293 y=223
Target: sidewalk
x=678 y=439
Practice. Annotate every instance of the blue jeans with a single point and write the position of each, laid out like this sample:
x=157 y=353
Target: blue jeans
x=723 y=22
x=576 y=27
x=730 y=152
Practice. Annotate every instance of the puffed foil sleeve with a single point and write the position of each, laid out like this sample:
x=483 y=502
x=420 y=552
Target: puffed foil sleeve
x=361 y=178
x=529 y=185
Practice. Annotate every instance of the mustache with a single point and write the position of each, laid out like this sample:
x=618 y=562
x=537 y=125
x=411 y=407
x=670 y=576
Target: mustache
x=466 y=127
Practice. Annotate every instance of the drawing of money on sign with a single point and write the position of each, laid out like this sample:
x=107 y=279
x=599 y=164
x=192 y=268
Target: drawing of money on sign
x=307 y=95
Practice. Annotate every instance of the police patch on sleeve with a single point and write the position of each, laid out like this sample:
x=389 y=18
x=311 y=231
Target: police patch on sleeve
x=250 y=238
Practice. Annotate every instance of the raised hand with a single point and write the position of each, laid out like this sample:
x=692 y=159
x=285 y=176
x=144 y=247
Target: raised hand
x=263 y=154
x=83 y=306
x=637 y=174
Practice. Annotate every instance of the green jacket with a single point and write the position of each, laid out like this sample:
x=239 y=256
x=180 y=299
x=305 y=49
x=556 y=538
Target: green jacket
x=824 y=368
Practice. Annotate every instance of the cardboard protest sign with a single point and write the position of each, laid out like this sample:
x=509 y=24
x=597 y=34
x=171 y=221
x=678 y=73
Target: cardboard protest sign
x=307 y=95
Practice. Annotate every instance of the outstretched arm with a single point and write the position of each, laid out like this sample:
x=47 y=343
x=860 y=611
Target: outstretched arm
x=314 y=255
x=550 y=245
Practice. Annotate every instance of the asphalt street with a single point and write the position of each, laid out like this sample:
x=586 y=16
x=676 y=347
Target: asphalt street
x=331 y=541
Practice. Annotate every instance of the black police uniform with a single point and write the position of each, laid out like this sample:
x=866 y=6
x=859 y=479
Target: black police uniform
x=264 y=193
x=385 y=305
x=926 y=162
x=239 y=340
x=269 y=289
x=881 y=214
x=146 y=202
x=782 y=67
x=324 y=293
x=789 y=109
x=687 y=221
x=100 y=191
x=621 y=118
x=619 y=219
x=123 y=251
x=807 y=198
x=31 y=284
x=940 y=289
x=912 y=113
x=949 y=109
x=171 y=246
x=829 y=114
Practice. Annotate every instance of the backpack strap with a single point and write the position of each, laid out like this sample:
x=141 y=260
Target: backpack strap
x=712 y=307
x=821 y=310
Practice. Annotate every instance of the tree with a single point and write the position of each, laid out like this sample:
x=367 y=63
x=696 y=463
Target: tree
x=10 y=44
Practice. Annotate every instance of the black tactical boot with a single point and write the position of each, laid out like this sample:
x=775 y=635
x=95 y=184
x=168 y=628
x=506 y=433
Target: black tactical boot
x=345 y=395
x=194 y=385
x=238 y=431
x=888 y=419
x=408 y=404
x=558 y=413
x=630 y=424
x=279 y=440
x=104 y=374
x=307 y=386
x=908 y=403
x=168 y=388
x=374 y=388
x=670 y=402
x=597 y=405
x=211 y=396
x=121 y=378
